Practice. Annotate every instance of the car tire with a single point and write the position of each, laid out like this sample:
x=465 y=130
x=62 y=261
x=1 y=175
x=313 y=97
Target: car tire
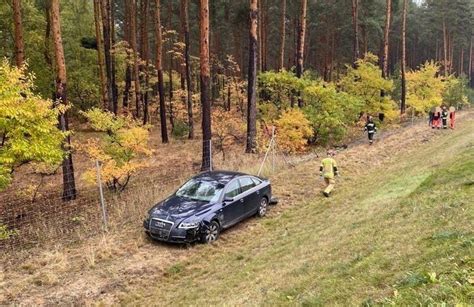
x=211 y=233
x=262 y=207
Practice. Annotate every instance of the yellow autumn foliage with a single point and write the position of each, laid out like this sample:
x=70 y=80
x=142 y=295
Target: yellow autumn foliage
x=120 y=151
x=28 y=124
x=293 y=131
x=424 y=88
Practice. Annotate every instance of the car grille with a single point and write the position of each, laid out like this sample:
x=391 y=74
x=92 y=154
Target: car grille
x=160 y=229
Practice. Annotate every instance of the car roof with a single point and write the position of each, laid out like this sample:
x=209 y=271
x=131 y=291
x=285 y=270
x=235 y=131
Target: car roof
x=222 y=177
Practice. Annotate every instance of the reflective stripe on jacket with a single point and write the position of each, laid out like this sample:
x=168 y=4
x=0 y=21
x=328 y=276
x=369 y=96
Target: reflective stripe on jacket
x=370 y=128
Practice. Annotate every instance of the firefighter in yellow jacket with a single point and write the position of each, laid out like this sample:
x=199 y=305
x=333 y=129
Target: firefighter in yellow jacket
x=327 y=170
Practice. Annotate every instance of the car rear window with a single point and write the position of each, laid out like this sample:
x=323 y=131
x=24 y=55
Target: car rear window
x=246 y=183
x=256 y=180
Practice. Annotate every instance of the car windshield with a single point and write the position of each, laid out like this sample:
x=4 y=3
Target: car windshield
x=201 y=190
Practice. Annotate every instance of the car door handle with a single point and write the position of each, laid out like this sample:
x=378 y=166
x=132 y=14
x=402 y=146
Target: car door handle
x=241 y=200
x=258 y=192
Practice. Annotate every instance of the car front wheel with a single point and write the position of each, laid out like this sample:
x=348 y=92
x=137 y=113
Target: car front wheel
x=262 y=208
x=211 y=233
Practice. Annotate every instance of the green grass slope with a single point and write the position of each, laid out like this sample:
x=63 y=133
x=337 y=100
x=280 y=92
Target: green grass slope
x=400 y=233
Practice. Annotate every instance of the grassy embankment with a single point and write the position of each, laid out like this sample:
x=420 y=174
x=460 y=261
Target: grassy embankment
x=397 y=231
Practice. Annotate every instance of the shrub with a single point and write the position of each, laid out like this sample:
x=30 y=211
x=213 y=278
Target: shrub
x=366 y=83
x=119 y=150
x=456 y=91
x=293 y=131
x=424 y=88
x=28 y=124
x=279 y=88
x=180 y=129
x=330 y=112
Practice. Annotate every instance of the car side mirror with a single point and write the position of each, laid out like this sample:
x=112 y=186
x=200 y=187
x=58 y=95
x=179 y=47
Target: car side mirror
x=228 y=199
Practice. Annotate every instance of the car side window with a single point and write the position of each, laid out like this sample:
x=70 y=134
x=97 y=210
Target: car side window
x=233 y=189
x=246 y=183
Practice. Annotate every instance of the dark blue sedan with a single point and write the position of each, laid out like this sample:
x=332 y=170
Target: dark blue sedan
x=207 y=204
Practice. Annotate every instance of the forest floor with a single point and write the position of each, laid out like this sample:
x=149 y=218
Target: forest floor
x=397 y=229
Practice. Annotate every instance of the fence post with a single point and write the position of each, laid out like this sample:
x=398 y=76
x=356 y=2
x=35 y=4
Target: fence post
x=210 y=155
x=266 y=155
x=101 y=192
x=273 y=149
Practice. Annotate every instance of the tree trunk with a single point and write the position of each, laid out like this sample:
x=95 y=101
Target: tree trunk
x=159 y=67
x=171 y=93
x=252 y=80
x=445 y=48
x=47 y=33
x=136 y=58
x=264 y=22
x=471 y=64
x=205 y=79
x=229 y=84
x=112 y=57
x=384 y=61
x=105 y=11
x=355 y=25
x=437 y=57
x=365 y=34
x=403 y=64
x=144 y=5
x=19 y=43
x=332 y=54
x=283 y=35
x=259 y=39
x=461 y=63
x=451 y=53
x=300 y=49
x=189 y=98
x=69 y=186
x=100 y=55
x=128 y=69
x=182 y=61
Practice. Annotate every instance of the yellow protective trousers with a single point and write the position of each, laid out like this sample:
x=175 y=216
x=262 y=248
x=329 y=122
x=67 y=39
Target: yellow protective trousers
x=330 y=182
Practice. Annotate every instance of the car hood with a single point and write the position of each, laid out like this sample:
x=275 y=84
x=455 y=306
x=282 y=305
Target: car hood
x=176 y=207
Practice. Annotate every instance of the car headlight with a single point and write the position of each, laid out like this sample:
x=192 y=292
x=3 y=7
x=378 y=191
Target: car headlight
x=189 y=225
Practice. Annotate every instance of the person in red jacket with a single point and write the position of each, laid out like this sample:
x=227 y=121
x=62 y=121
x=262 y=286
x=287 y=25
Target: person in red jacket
x=437 y=118
x=452 y=117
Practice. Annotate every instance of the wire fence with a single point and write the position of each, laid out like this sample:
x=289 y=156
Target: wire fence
x=45 y=218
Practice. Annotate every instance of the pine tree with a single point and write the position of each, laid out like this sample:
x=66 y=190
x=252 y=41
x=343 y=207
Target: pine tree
x=18 y=25
x=159 y=67
x=301 y=44
x=69 y=185
x=189 y=99
x=386 y=39
x=355 y=25
x=403 y=62
x=109 y=65
x=144 y=50
x=100 y=55
x=252 y=80
x=205 y=80
x=136 y=58
x=283 y=35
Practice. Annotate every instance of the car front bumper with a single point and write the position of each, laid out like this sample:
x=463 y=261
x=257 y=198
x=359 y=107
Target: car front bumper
x=174 y=235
